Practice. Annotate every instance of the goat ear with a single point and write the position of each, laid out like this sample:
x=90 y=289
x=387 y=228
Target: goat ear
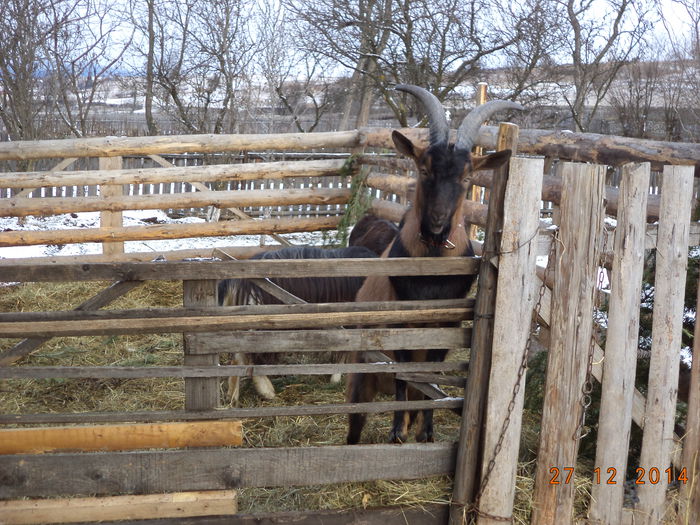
x=492 y=161
x=404 y=145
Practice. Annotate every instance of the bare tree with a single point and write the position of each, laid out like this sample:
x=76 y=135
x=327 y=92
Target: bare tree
x=25 y=25
x=382 y=42
x=201 y=56
x=80 y=57
x=294 y=79
x=681 y=85
x=632 y=96
x=531 y=72
x=601 y=38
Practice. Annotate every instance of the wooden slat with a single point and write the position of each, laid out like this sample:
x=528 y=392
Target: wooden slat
x=354 y=339
x=515 y=300
x=564 y=145
x=204 y=311
x=112 y=146
x=174 y=270
x=467 y=471
x=238 y=252
x=115 y=325
x=572 y=322
x=103 y=298
x=110 y=218
x=204 y=415
x=22 y=207
x=219 y=172
x=151 y=506
x=170 y=471
x=166 y=231
x=201 y=393
x=617 y=396
x=120 y=437
x=135 y=372
x=667 y=326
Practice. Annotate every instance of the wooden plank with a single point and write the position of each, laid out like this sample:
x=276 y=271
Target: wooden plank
x=690 y=492
x=151 y=506
x=120 y=437
x=427 y=514
x=166 y=231
x=238 y=252
x=116 y=202
x=238 y=413
x=615 y=419
x=219 y=172
x=576 y=270
x=353 y=339
x=669 y=292
x=564 y=145
x=470 y=449
x=113 y=146
x=214 y=370
x=217 y=311
x=231 y=322
x=174 y=270
x=515 y=301
x=109 y=218
x=214 y=469
x=103 y=298
x=201 y=393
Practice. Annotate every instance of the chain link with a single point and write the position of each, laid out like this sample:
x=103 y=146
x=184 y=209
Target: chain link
x=516 y=387
x=587 y=388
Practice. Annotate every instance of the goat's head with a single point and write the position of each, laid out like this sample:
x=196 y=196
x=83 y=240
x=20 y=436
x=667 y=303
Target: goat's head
x=444 y=170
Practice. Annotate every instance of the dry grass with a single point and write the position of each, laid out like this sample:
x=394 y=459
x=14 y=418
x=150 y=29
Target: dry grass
x=85 y=395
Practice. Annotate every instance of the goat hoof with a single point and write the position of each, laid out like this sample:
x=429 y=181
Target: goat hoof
x=397 y=437
x=425 y=437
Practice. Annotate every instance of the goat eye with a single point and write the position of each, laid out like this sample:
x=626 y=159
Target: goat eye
x=424 y=173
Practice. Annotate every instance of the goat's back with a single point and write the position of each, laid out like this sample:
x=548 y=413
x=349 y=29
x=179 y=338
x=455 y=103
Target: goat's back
x=309 y=289
x=373 y=233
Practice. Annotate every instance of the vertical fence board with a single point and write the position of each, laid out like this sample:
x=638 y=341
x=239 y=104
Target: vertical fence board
x=669 y=292
x=200 y=393
x=617 y=396
x=111 y=218
x=576 y=268
x=471 y=437
x=515 y=300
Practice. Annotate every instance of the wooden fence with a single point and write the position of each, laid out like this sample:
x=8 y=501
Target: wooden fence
x=484 y=465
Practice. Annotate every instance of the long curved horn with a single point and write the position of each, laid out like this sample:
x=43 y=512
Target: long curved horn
x=469 y=129
x=439 y=130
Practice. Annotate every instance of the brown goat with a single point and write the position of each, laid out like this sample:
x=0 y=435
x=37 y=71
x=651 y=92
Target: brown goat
x=432 y=227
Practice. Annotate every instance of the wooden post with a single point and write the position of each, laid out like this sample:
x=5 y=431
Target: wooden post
x=669 y=292
x=200 y=393
x=515 y=300
x=615 y=420
x=576 y=269
x=690 y=492
x=110 y=219
x=469 y=450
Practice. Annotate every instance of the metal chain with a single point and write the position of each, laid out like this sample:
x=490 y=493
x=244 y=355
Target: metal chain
x=587 y=388
x=516 y=388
